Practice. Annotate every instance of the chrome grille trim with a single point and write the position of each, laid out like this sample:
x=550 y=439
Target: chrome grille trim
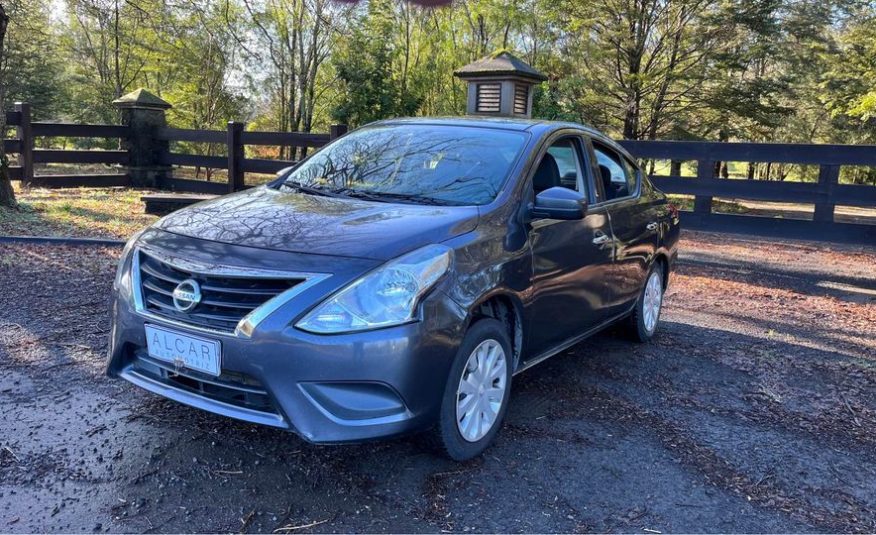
x=248 y=323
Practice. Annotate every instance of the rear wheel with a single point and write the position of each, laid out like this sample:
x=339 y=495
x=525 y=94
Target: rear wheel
x=645 y=318
x=476 y=396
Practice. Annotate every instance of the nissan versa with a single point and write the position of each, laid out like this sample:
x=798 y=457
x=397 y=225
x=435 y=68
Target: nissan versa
x=395 y=280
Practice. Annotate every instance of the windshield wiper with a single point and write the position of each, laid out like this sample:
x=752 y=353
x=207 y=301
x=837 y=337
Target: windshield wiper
x=383 y=196
x=311 y=190
x=378 y=196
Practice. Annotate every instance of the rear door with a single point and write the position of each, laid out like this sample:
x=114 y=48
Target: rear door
x=569 y=258
x=634 y=225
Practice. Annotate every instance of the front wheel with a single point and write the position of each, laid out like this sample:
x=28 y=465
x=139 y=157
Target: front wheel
x=646 y=315
x=476 y=396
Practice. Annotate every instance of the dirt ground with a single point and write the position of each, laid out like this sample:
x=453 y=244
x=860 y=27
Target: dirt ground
x=753 y=410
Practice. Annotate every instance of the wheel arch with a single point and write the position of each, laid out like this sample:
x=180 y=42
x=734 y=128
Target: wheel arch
x=506 y=308
x=662 y=257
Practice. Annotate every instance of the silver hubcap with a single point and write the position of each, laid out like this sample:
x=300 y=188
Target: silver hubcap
x=652 y=302
x=481 y=390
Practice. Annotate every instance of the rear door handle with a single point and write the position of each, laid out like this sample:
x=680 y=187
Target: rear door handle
x=600 y=239
x=651 y=226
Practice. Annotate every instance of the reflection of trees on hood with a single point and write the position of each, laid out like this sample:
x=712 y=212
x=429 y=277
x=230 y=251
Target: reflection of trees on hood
x=289 y=221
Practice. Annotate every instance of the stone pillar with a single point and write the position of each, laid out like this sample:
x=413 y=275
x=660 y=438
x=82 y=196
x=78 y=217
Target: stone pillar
x=144 y=115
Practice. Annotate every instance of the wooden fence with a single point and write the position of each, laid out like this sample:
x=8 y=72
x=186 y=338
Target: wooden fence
x=235 y=162
x=235 y=139
x=26 y=133
x=824 y=195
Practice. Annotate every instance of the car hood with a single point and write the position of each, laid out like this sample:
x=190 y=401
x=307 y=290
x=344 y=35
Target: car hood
x=297 y=222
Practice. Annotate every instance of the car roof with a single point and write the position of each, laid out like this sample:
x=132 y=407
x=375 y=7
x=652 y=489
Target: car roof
x=496 y=123
x=538 y=126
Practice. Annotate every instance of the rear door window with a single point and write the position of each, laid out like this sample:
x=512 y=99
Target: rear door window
x=617 y=175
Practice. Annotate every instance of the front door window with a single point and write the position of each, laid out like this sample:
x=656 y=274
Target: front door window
x=561 y=166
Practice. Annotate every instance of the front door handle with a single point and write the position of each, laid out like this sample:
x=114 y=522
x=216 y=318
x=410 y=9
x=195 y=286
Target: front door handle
x=600 y=239
x=651 y=226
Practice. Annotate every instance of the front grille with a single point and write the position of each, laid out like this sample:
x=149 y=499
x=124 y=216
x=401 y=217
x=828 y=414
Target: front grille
x=232 y=388
x=225 y=300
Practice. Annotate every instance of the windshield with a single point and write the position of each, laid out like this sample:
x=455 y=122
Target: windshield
x=434 y=164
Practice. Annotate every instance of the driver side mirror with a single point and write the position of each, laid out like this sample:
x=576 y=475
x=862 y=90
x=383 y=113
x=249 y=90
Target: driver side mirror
x=559 y=203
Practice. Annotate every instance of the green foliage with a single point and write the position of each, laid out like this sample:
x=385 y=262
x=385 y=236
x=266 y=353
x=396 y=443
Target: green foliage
x=849 y=87
x=365 y=68
x=71 y=65
x=31 y=70
x=746 y=70
x=200 y=54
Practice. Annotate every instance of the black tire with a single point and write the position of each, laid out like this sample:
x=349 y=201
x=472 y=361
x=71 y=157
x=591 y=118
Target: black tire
x=446 y=435
x=636 y=327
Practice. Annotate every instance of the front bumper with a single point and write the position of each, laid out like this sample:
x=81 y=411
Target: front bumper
x=327 y=388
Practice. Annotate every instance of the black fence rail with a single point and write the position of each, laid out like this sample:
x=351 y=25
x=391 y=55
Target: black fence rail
x=824 y=195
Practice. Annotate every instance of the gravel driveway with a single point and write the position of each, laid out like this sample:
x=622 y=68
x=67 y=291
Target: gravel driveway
x=754 y=409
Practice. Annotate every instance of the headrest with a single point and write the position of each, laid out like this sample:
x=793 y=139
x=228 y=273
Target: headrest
x=547 y=175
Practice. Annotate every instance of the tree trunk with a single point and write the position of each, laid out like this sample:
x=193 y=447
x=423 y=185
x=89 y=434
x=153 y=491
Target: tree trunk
x=7 y=196
x=721 y=170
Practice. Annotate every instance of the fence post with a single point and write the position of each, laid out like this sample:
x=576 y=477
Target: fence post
x=144 y=115
x=25 y=138
x=705 y=171
x=337 y=130
x=828 y=177
x=235 y=156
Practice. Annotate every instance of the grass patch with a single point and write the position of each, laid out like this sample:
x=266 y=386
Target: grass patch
x=80 y=212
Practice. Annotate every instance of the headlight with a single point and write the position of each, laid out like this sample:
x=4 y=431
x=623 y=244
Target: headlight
x=387 y=296
x=123 y=260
